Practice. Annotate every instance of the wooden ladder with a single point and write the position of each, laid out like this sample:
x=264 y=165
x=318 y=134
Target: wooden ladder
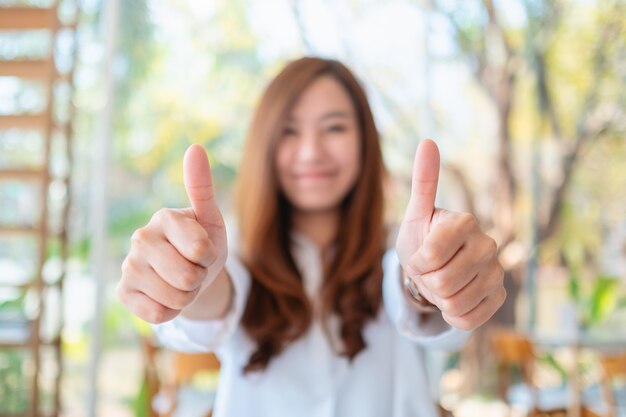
x=23 y=332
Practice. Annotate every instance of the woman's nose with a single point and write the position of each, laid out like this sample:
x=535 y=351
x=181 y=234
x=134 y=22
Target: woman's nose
x=310 y=146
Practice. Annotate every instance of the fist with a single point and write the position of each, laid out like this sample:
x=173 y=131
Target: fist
x=450 y=260
x=179 y=252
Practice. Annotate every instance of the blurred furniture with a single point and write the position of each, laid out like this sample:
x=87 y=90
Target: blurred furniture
x=604 y=343
x=514 y=351
x=34 y=199
x=612 y=385
x=170 y=390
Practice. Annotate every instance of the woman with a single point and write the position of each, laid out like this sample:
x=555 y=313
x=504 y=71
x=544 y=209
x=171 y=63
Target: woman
x=308 y=314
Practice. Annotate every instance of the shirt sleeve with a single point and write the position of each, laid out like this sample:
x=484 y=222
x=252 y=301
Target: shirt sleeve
x=433 y=333
x=194 y=336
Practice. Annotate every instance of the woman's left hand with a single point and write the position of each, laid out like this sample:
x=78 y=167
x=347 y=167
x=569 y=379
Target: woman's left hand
x=451 y=261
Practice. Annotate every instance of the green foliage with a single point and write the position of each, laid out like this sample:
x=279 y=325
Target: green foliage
x=551 y=361
x=579 y=237
x=81 y=248
x=573 y=286
x=598 y=302
x=141 y=403
x=12 y=303
x=125 y=219
x=53 y=248
x=603 y=299
x=14 y=385
x=168 y=100
x=565 y=74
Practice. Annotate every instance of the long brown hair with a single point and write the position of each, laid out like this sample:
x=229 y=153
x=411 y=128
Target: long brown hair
x=278 y=310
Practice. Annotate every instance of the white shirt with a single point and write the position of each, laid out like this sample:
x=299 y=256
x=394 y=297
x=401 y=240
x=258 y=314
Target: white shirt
x=308 y=379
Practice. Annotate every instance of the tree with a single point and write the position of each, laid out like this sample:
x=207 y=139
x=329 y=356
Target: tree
x=527 y=70
x=574 y=106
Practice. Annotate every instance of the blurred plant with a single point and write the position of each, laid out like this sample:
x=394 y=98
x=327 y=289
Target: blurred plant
x=596 y=303
x=551 y=361
x=553 y=82
x=12 y=301
x=13 y=384
x=141 y=403
x=551 y=77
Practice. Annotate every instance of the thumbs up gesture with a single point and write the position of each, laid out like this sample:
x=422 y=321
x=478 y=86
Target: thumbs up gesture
x=179 y=252
x=448 y=259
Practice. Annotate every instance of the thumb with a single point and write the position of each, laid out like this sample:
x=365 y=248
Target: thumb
x=199 y=184
x=423 y=183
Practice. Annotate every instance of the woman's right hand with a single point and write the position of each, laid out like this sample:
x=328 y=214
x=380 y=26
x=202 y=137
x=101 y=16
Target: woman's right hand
x=179 y=253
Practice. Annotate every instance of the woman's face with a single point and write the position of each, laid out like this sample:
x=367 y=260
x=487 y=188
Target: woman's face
x=318 y=153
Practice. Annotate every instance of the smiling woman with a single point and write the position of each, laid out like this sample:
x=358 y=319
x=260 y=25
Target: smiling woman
x=306 y=310
x=325 y=176
x=318 y=153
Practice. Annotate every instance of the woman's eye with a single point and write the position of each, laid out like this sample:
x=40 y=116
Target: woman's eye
x=289 y=131
x=336 y=129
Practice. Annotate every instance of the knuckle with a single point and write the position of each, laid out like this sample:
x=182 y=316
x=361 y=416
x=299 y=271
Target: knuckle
x=199 y=248
x=467 y=221
x=411 y=268
x=494 y=276
x=500 y=275
x=139 y=237
x=180 y=299
x=448 y=306
x=125 y=268
x=490 y=248
x=439 y=284
x=156 y=314
x=190 y=278
x=431 y=254
x=161 y=215
x=502 y=297
x=129 y=269
x=454 y=307
x=466 y=322
x=186 y=281
x=122 y=293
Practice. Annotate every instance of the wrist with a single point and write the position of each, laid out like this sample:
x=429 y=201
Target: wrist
x=415 y=298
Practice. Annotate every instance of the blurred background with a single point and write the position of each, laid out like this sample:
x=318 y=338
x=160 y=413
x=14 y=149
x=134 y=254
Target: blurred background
x=100 y=98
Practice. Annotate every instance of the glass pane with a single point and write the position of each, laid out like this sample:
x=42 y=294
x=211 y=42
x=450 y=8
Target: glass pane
x=20 y=203
x=21 y=149
x=18 y=96
x=24 y=44
x=18 y=259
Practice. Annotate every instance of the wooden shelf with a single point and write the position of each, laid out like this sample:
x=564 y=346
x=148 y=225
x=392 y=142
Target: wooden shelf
x=22 y=174
x=39 y=68
x=25 y=18
x=27 y=284
x=24 y=121
x=18 y=230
